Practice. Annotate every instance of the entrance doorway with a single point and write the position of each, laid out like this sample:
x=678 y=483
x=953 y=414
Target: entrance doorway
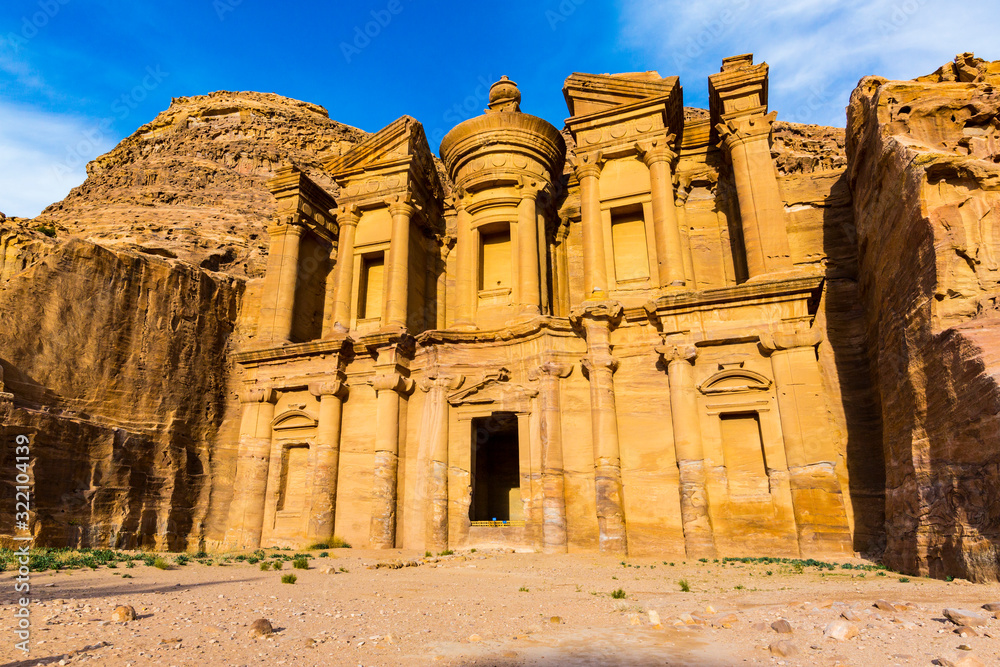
x=496 y=485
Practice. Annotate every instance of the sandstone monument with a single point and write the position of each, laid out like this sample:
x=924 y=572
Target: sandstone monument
x=659 y=330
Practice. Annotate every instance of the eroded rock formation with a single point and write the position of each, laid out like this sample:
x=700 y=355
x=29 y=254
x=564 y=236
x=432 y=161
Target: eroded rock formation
x=925 y=171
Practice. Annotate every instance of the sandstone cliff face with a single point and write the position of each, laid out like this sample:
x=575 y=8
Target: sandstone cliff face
x=118 y=363
x=190 y=184
x=924 y=168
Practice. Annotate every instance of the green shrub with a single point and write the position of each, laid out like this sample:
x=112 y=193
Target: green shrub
x=300 y=564
x=161 y=564
x=264 y=565
x=324 y=554
x=288 y=579
x=522 y=589
x=319 y=545
x=48 y=230
x=339 y=543
x=618 y=594
x=278 y=564
x=904 y=580
x=446 y=552
x=427 y=554
x=685 y=586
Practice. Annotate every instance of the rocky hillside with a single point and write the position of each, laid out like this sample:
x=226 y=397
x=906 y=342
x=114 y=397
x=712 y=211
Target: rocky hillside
x=190 y=184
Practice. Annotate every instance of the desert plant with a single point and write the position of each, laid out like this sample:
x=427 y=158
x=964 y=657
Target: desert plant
x=319 y=545
x=339 y=543
x=446 y=552
x=618 y=594
x=522 y=589
x=161 y=564
x=904 y=580
x=278 y=564
x=300 y=564
x=264 y=565
x=324 y=554
x=427 y=554
x=685 y=586
x=288 y=578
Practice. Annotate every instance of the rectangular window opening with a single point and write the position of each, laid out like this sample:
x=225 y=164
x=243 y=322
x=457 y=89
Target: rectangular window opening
x=628 y=236
x=495 y=260
x=370 y=289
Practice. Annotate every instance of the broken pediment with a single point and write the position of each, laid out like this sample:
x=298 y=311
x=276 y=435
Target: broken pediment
x=592 y=93
x=494 y=388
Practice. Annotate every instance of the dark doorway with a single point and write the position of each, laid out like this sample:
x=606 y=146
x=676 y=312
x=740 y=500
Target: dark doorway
x=496 y=486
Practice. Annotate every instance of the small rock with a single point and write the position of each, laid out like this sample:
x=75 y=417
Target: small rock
x=475 y=638
x=849 y=615
x=556 y=619
x=781 y=626
x=885 y=605
x=783 y=649
x=959 y=660
x=841 y=630
x=759 y=626
x=964 y=617
x=728 y=621
x=992 y=606
x=123 y=613
x=260 y=628
x=329 y=569
x=634 y=620
x=654 y=618
x=965 y=631
x=709 y=609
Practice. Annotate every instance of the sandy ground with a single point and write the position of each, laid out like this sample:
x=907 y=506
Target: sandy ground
x=492 y=608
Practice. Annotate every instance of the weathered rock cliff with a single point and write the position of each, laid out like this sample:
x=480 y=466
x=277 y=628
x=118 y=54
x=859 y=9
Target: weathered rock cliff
x=190 y=184
x=924 y=168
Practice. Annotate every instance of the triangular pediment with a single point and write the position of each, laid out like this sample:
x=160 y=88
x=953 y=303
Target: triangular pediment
x=592 y=93
x=400 y=139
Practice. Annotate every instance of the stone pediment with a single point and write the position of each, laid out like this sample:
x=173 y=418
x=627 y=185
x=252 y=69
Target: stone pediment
x=394 y=161
x=732 y=381
x=592 y=93
x=293 y=419
x=495 y=388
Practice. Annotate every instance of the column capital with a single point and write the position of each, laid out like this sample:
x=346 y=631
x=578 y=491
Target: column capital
x=607 y=311
x=677 y=352
x=530 y=188
x=401 y=206
x=286 y=225
x=436 y=379
x=333 y=387
x=256 y=394
x=599 y=361
x=776 y=341
x=587 y=164
x=740 y=131
x=656 y=150
x=392 y=382
x=347 y=215
x=550 y=369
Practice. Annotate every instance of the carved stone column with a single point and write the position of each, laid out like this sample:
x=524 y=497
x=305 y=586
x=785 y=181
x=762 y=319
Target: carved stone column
x=554 y=537
x=699 y=539
x=344 y=274
x=323 y=505
x=278 y=298
x=669 y=249
x=398 y=265
x=246 y=512
x=391 y=382
x=817 y=498
x=465 y=280
x=597 y=320
x=437 y=385
x=762 y=211
x=595 y=269
x=527 y=247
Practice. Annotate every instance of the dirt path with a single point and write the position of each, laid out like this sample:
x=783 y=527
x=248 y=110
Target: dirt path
x=493 y=608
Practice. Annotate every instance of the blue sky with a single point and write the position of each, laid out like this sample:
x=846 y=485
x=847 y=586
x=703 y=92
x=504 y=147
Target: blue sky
x=77 y=76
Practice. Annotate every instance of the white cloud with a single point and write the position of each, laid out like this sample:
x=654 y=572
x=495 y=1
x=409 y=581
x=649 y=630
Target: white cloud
x=817 y=49
x=43 y=155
